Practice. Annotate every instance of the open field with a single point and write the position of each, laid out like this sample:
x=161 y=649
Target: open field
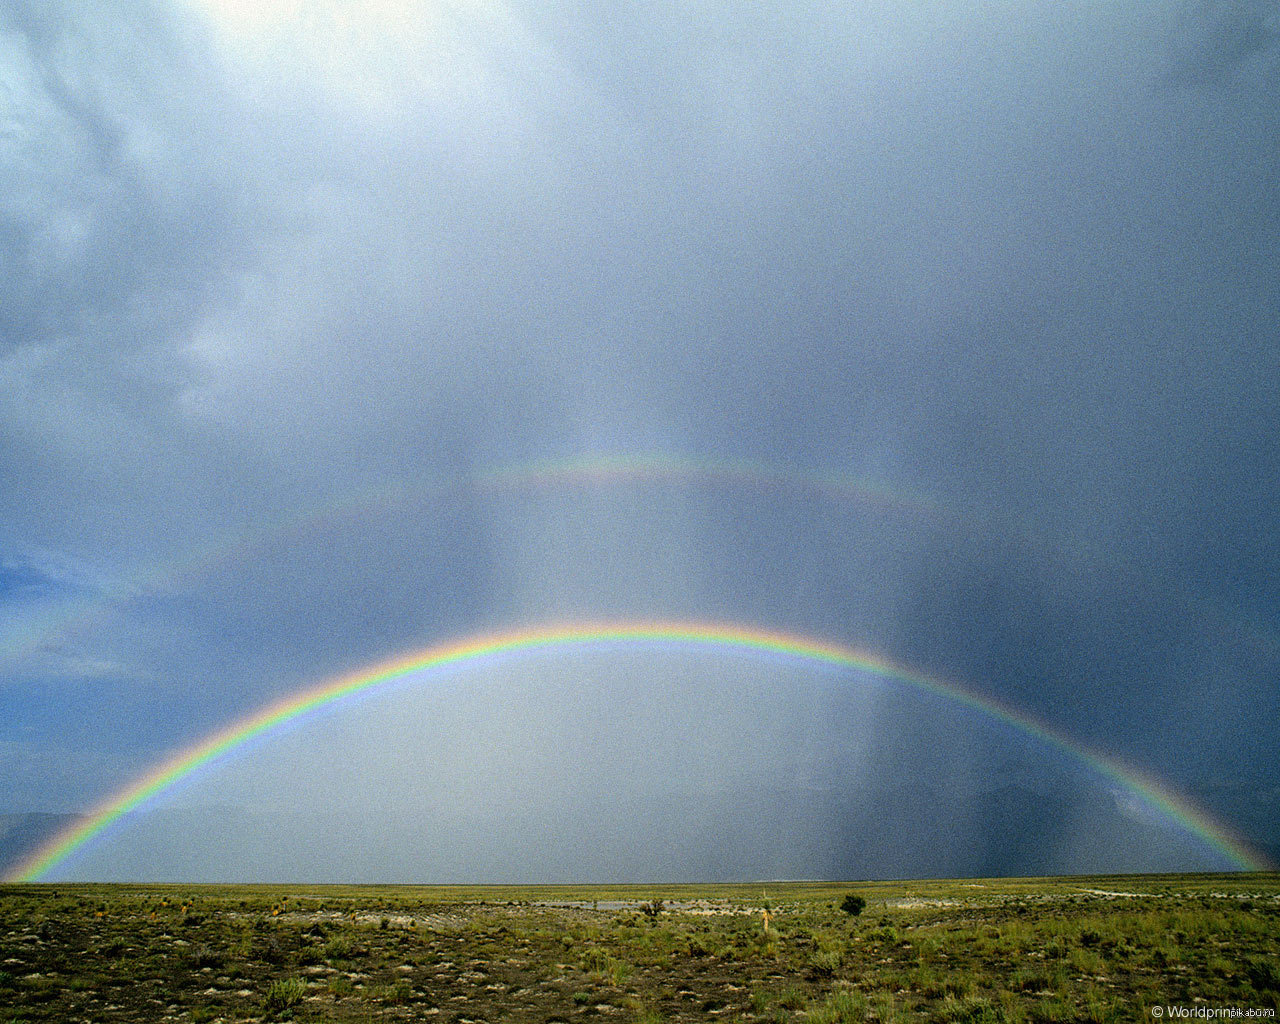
x=1035 y=950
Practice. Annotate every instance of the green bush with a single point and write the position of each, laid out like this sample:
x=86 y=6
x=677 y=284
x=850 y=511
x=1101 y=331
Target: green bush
x=969 y=1011
x=843 y=1007
x=790 y=998
x=1263 y=976
x=825 y=962
x=853 y=905
x=284 y=993
x=337 y=948
x=595 y=960
x=397 y=993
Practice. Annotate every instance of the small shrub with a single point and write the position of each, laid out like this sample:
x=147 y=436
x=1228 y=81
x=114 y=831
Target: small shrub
x=825 y=962
x=309 y=955
x=284 y=993
x=853 y=905
x=337 y=948
x=396 y=994
x=843 y=1007
x=206 y=956
x=619 y=971
x=1030 y=981
x=595 y=960
x=112 y=948
x=1052 y=1011
x=791 y=998
x=969 y=1011
x=1263 y=976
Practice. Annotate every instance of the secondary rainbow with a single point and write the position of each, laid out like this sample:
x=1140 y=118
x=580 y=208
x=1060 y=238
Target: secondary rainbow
x=582 y=472
x=712 y=636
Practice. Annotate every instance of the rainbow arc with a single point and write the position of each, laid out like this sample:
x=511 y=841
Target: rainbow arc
x=330 y=695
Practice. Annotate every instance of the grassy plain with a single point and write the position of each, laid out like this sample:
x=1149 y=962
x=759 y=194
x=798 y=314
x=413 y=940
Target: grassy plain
x=1091 y=949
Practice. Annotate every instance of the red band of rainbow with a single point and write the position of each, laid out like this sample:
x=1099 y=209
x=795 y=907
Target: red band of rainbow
x=696 y=636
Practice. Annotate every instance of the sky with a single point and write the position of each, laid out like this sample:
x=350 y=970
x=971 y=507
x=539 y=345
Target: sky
x=944 y=331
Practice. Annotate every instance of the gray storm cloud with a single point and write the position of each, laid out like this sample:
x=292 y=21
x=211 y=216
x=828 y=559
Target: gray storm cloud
x=282 y=283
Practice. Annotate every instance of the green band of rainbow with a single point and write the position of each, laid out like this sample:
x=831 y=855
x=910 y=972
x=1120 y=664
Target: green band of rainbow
x=584 y=472
x=696 y=635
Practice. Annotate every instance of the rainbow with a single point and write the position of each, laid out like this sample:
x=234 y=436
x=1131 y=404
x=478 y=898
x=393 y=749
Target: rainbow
x=742 y=473
x=586 y=471
x=583 y=471
x=595 y=470
x=694 y=636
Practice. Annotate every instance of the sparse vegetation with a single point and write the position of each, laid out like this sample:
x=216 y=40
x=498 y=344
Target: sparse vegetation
x=964 y=952
x=844 y=1006
x=284 y=993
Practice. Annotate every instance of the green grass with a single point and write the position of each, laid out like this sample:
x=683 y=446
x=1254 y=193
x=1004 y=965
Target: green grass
x=284 y=993
x=1008 y=951
x=841 y=1007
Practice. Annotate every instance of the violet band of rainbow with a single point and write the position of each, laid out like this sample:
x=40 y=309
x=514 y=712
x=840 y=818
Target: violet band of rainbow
x=692 y=634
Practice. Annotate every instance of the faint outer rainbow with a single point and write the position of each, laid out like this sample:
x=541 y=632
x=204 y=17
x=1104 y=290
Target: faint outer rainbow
x=657 y=468
x=693 y=635
x=587 y=471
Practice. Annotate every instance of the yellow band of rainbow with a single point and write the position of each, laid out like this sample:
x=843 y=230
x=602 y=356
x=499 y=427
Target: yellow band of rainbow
x=694 y=635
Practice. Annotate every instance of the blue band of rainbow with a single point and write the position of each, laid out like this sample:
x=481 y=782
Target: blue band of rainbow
x=330 y=694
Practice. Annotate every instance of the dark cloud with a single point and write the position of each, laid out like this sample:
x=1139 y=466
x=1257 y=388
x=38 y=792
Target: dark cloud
x=128 y=205
x=122 y=199
x=1232 y=42
x=279 y=294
